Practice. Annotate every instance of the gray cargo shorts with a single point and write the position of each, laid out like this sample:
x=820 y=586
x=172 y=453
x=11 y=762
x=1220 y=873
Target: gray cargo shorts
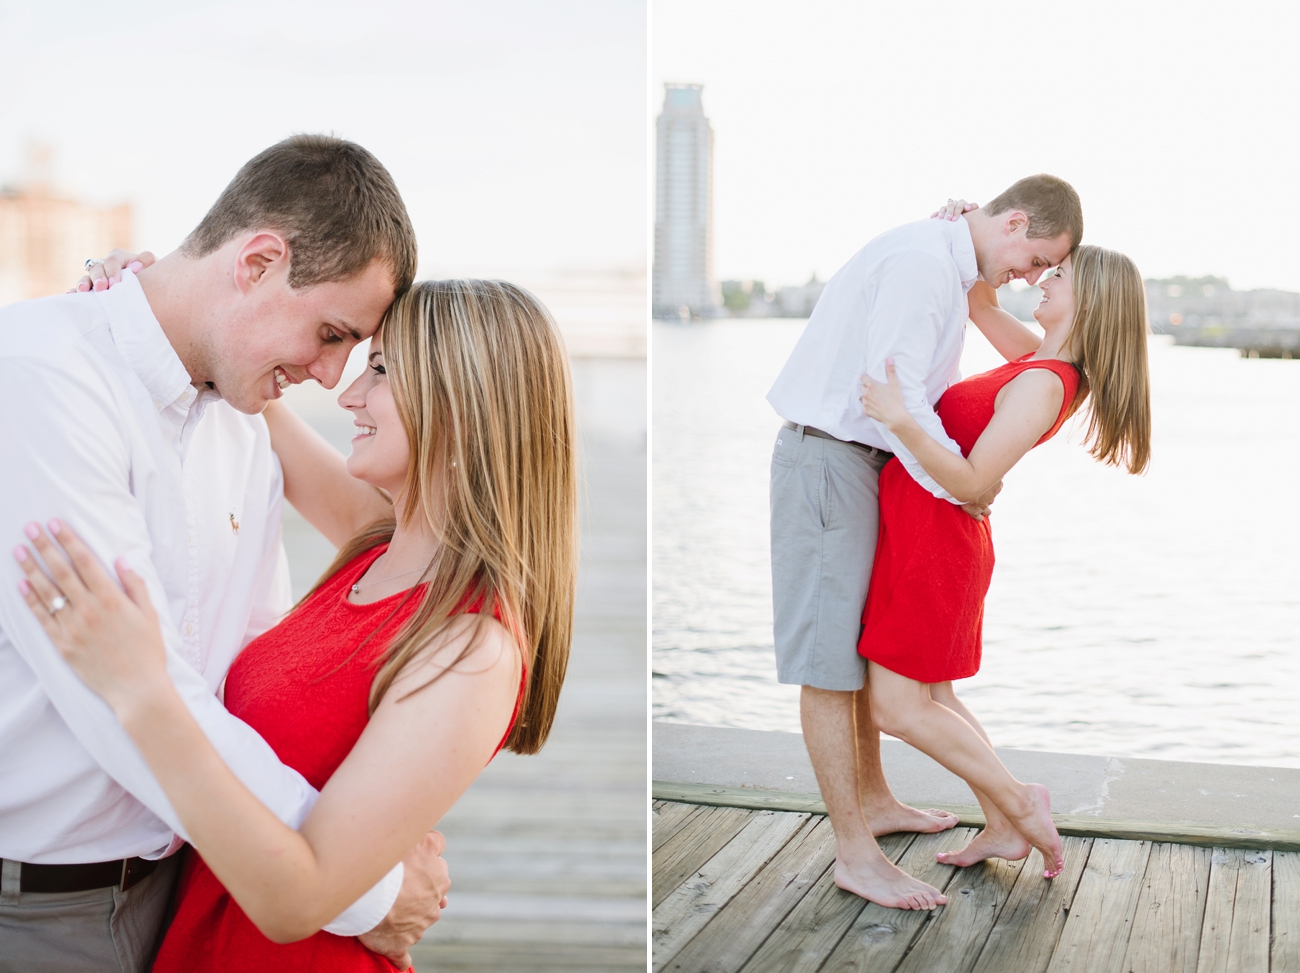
x=825 y=515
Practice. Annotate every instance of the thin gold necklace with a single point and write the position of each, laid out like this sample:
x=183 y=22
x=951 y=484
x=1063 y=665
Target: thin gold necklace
x=356 y=588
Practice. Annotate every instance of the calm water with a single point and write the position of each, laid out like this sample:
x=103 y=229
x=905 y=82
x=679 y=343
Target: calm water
x=1151 y=616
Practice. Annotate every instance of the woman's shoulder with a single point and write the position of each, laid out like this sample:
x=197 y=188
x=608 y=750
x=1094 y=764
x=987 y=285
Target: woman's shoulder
x=1046 y=377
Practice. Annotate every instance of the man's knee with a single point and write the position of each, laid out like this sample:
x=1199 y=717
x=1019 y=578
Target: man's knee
x=831 y=698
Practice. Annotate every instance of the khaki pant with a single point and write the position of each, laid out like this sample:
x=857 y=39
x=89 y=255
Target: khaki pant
x=825 y=516
x=99 y=931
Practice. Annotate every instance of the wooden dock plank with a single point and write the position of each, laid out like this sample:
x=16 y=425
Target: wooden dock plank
x=740 y=928
x=1234 y=936
x=1286 y=912
x=953 y=939
x=1096 y=933
x=1029 y=926
x=667 y=818
x=691 y=905
x=1166 y=936
x=880 y=937
x=1077 y=825
x=803 y=939
x=698 y=841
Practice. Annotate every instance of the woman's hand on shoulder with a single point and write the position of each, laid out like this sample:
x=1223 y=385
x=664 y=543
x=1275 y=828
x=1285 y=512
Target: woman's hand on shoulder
x=953 y=209
x=103 y=274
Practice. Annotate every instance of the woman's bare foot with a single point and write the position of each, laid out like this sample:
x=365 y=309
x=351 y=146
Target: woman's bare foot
x=1004 y=843
x=884 y=883
x=1036 y=825
x=897 y=816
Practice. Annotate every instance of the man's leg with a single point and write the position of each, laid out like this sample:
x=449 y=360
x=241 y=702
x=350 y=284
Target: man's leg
x=824 y=516
x=884 y=813
x=860 y=866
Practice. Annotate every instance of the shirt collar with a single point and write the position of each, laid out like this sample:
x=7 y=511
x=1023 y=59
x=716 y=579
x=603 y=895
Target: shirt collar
x=963 y=253
x=140 y=339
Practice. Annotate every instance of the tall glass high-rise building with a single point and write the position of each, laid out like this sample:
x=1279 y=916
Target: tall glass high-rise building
x=683 y=271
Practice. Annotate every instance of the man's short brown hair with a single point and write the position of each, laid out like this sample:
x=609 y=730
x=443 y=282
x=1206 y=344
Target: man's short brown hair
x=1051 y=204
x=335 y=203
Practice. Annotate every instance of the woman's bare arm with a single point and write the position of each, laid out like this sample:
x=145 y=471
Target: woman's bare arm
x=1026 y=408
x=413 y=761
x=1010 y=336
x=417 y=755
x=316 y=479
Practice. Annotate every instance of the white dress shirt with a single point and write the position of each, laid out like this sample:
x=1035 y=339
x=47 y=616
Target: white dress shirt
x=103 y=429
x=903 y=295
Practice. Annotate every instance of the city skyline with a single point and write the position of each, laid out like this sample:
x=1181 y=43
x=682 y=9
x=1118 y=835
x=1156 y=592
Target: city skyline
x=835 y=122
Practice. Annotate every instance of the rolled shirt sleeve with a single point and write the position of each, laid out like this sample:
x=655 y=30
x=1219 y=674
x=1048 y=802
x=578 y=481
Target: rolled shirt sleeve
x=907 y=315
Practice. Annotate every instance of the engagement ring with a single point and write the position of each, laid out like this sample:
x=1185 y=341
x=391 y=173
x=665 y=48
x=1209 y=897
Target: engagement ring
x=58 y=604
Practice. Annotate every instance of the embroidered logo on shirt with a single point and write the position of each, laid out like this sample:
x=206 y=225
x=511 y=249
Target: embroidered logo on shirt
x=234 y=524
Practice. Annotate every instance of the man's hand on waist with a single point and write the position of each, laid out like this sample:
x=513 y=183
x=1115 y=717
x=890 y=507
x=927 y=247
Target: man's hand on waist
x=979 y=508
x=418 y=906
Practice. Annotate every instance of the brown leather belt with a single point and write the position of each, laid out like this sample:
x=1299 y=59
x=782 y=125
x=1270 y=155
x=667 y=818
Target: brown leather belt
x=82 y=878
x=818 y=434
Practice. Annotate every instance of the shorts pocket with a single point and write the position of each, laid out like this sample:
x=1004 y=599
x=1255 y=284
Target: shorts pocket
x=783 y=450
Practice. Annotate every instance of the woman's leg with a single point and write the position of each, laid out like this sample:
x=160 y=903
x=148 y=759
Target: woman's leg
x=884 y=812
x=999 y=839
x=904 y=708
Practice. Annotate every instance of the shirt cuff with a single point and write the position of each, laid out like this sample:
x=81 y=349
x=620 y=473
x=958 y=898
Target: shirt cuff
x=369 y=910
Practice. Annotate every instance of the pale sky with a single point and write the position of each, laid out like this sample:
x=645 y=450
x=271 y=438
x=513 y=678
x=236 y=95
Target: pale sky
x=515 y=129
x=837 y=119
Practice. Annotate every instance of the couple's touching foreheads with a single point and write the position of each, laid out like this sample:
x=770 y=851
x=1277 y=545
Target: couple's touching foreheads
x=157 y=687
x=882 y=480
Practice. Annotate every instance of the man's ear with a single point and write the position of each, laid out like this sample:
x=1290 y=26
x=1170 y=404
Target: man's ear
x=1014 y=220
x=261 y=256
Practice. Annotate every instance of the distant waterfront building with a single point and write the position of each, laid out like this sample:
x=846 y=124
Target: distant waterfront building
x=798 y=302
x=45 y=238
x=683 y=270
x=751 y=299
x=1206 y=311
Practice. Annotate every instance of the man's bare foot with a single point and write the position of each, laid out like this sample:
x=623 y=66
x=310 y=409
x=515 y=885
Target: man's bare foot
x=884 y=883
x=989 y=843
x=897 y=816
x=1036 y=825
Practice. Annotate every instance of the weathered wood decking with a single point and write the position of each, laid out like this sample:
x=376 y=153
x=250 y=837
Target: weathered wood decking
x=747 y=890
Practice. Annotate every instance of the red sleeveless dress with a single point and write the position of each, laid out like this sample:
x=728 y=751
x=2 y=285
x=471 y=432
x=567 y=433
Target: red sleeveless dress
x=925 y=604
x=304 y=687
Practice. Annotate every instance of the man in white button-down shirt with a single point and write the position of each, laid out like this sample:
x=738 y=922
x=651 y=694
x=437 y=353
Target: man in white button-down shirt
x=133 y=414
x=903 y=296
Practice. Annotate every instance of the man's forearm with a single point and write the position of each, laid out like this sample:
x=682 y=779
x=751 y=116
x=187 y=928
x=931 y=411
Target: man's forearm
x=952 y=471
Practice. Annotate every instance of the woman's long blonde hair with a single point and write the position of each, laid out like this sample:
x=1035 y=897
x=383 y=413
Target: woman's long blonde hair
x=1108 y=341
x=480 y=379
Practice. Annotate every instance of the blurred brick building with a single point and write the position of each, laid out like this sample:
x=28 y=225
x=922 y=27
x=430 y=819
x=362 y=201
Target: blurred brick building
x=45 y=238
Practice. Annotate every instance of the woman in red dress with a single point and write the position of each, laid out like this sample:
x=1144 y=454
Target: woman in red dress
x=438 y=636
x=925 y=606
